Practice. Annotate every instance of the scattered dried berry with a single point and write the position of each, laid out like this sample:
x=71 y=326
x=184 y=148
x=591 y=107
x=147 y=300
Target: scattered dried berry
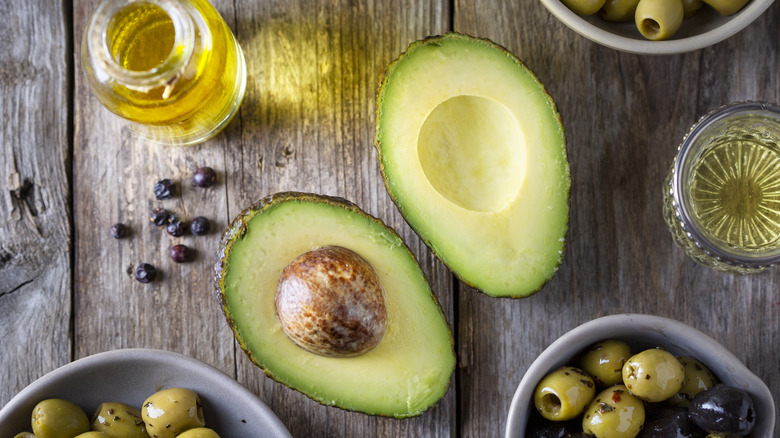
x=176 y=228
x=180 y=254
x=145 y=273
x=158 y=216
x=118 y=230
x=164 y=189
x=204 y=177
x=200 y=226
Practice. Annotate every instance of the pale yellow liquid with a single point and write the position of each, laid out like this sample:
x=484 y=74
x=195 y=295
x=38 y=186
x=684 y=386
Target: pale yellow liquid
x=196 y=103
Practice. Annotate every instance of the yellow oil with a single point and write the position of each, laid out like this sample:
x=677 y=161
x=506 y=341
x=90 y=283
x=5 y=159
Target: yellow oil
x=735 y=191
x=197 y=101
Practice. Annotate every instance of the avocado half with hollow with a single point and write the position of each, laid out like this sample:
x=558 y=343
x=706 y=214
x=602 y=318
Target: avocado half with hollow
x=472 y=151
x=407 y=371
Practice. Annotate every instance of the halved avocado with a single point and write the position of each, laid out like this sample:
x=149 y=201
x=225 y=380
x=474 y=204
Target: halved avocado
x=472 y=151
x=407 y=372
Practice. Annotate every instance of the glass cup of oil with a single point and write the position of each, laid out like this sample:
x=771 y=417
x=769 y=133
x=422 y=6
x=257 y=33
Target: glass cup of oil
x=173 y=67
x=722 y=195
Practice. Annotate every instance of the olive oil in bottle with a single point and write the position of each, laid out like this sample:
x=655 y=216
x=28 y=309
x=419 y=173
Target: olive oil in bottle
x=722 y=198
x=171 y=66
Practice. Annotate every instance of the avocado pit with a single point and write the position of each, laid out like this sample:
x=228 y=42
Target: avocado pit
x=330 y=302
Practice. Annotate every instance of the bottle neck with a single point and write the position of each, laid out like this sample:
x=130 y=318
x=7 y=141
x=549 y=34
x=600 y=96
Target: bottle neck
x=115 y=19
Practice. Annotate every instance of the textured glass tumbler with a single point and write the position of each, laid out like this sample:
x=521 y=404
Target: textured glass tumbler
x=722 y=195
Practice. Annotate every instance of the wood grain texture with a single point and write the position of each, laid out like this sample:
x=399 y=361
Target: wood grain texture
x=35 y=225
x=624 y=117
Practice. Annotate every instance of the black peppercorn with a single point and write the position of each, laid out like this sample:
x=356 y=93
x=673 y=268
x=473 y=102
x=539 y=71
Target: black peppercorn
x=180 y=254
x=164 y=189
x=158 y=216
x=145 y=273
x=200 y=226
x=118 y=230
x=176 y=228
x=204 y=177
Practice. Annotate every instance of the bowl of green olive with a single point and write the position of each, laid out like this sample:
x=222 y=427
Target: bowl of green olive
x=639 y=376
x=138 y=393
x=657 y=27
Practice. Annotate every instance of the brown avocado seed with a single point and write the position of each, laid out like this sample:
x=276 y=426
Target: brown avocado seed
x=330 y=302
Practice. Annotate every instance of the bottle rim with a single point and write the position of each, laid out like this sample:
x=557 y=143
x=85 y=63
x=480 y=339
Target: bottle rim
x=164 y=73
x=686 y=155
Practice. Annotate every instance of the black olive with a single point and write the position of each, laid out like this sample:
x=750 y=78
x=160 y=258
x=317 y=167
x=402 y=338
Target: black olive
x=164 y=189
x=176 y=228
x=145 y=273
x=118 y=230
x=670 y=422
x=180 y=254
x=722 y=408
x=204 y=177
x=158 y=216
x=200 y=226
x=538 y=427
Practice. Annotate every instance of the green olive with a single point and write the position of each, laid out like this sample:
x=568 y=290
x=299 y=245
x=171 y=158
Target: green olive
x=658 y=19
x=119 y=420
x=25 y=435
x=57 y=418
x=604 y=361
x=726 y=7
x=200 y=432
x=690 y=7
x=697 y=378
x=563 y=394
x=172 y=411
x=584 y=7
x=92 y=434
x=614 y=413
x=618 y=10
x=653 y=375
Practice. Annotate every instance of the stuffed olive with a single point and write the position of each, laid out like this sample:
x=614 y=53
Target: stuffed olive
x=697 y=378
x=57 y=418
x=169 y=412
x=604 y=361
x=119 y=420
x=200 y=432
x=653 y=375
x=614 y=413
x=563 y=394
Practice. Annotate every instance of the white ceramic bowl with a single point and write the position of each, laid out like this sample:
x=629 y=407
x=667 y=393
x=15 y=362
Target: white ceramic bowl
x=131 y=375
x=704 y=29
x=643 y=331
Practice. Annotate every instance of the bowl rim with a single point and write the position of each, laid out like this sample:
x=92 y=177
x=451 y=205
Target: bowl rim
x=696 y=343
x=739 y=21
x=41 y=386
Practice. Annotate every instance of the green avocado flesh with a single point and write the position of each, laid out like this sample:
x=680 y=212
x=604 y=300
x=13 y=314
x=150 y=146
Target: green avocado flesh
x=473 y=153
x=406 y=373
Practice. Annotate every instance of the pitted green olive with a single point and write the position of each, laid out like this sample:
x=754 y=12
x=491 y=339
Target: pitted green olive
x=697 y=378
x=726 y=7
x=614 y=413
x=584 y=7
x=618 y=10
x=658 y=19
x=564 y=393
x=604 y=361
x=200 y=432
x=690 y=7
x=172 y=411
x=119 y=420
x=653 y=375
x=57 y=418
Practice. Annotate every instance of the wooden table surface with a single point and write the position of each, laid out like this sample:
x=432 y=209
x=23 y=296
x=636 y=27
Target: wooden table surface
x=307 y=123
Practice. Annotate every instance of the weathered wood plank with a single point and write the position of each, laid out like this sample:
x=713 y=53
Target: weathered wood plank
x=624 y=115
x=35 y=229
x=308 y=125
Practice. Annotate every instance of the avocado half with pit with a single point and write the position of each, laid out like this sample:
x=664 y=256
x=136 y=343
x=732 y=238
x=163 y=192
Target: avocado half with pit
x=472 y=151
x=403 y=372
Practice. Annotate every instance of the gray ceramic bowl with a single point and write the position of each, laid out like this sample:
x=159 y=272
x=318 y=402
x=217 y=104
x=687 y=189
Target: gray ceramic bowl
x=643 y=331
x=131 y=375
x=704 y=29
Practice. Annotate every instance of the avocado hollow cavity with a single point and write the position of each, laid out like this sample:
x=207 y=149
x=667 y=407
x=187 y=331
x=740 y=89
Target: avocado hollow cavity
x=455 y=162
x=330 y=302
